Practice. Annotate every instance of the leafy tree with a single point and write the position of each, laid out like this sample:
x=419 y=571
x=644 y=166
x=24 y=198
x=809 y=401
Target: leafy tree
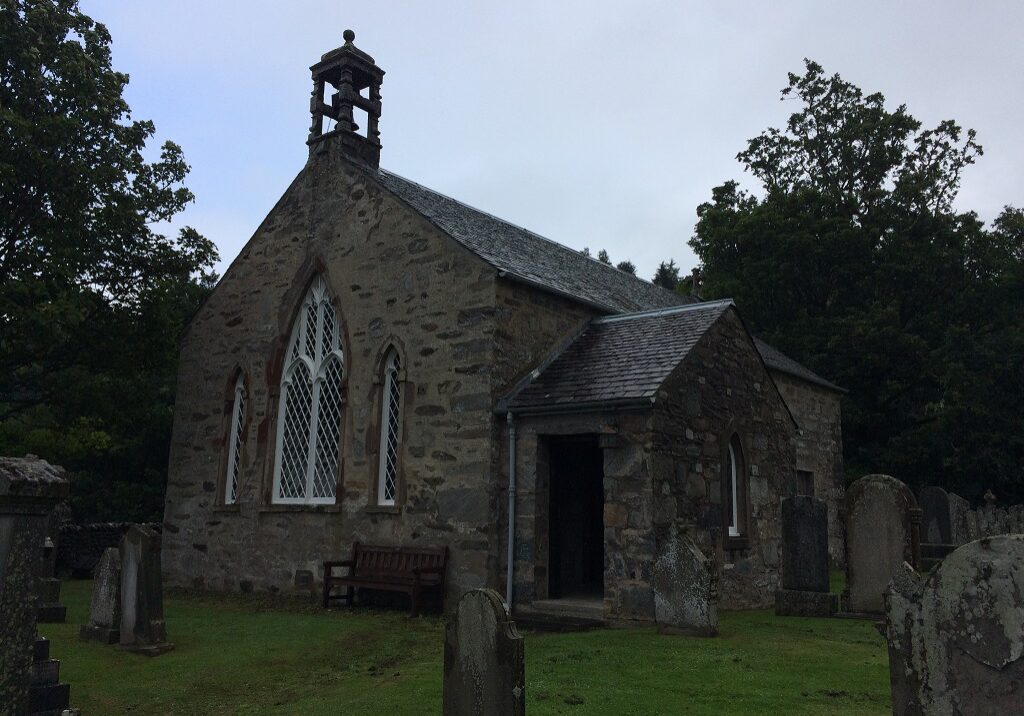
x=92 y=295
x=853 y=261
x=667 y=275
x=602 y=256
x=627 y=266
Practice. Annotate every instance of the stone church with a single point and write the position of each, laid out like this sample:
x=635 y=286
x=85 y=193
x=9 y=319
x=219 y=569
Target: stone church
x=384 y=364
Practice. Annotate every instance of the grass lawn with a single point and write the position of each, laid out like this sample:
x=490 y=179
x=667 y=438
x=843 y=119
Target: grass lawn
x=245 y=655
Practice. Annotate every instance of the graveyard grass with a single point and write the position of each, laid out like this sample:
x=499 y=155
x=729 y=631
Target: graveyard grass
x=248 y=655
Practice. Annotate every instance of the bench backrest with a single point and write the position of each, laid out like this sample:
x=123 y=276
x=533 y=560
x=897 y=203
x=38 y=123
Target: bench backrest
x=376 y=560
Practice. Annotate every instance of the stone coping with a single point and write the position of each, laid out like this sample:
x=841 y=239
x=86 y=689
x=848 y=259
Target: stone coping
x=31 y=478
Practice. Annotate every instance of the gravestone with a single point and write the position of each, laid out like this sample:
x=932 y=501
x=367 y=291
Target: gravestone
x=685 y=584
x=878 y=539
x=142 y=602
x=29 y=490
x=105 y=609
x=805 y=583
x=956 y=642
x=49 y=610
x=484 y=666
x=936 y=525
x=961 y=527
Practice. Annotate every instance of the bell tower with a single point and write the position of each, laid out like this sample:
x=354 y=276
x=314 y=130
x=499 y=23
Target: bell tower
x=346 y=94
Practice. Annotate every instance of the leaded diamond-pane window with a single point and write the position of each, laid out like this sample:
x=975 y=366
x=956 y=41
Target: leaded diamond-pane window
x=235 y=442
x=391 y=415
x=312 y=405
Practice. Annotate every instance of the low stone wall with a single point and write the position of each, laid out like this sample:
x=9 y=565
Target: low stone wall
x=80 y=546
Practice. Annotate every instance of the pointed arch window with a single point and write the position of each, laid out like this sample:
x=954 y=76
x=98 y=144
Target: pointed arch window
x=390 y=424
x=734 y=500
x=235 y=442
x=312 y=404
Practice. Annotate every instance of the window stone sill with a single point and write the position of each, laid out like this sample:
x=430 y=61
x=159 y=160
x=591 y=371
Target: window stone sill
x=326 y=509
x=383 y=509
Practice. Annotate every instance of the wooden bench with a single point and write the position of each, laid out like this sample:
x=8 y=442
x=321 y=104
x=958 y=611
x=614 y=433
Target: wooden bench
x=414 y=570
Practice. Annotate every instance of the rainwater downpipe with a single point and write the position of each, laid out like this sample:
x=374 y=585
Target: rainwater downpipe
x=511 y=507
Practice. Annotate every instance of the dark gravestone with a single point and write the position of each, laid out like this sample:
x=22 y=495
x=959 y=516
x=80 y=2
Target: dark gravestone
x=142 y=602
x=878 y=539
x=484 y=666
x=936 y=527
x=49 y=610
x=29 y=490
x=105 y=609
x=805 y=584
x=956 y=642
x=685 y=585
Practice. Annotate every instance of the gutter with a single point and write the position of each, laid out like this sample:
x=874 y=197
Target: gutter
x=589 y=406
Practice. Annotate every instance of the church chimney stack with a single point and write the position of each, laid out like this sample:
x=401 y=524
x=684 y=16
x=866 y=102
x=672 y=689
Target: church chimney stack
x=346 y=95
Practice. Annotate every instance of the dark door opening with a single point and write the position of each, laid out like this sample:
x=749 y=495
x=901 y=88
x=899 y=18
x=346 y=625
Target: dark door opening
x=576 y=518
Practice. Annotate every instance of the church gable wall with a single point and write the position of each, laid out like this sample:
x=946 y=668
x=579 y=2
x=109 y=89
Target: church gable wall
x=722 y=389
x=395 y=279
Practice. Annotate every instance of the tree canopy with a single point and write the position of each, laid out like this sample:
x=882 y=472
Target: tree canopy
x=93 y=295
x=853 y=260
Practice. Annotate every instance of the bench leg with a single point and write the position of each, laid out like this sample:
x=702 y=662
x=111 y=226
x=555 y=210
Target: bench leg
x=415 y=596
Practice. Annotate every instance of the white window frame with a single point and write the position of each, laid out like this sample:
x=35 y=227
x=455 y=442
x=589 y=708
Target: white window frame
x=316 y=365
x=390 y=429
x=235 y=443
x=734 y=523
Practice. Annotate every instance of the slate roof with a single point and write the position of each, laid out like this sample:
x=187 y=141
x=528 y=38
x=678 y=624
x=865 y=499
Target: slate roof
x=526 y=256
x=529 y=257
x=623 y=358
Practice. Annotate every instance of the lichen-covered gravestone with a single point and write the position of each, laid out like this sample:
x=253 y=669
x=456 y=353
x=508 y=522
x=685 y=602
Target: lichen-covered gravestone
x=142 y=602
x=805 y=585
x=685 y=586
x=956 y=635
x=484 y=666
x=878 y=539
x=29 y=490
x=105 y=609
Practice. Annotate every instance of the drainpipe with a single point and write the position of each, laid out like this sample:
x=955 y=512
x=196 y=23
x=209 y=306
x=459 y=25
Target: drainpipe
x=511 y=507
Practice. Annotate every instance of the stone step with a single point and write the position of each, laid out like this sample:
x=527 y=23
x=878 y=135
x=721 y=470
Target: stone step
x=44 y=673
x=560 y=615
x=45 y=699
x=41 y=649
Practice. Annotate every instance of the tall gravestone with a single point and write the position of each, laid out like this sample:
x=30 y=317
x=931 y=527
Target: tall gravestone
x=878 y=539
x=936 y=526
x=956 y=635
x=105 y=609
x=484 y=666
x=142 y=603
x=29 y=490
x=805 y=561
x=685 y=584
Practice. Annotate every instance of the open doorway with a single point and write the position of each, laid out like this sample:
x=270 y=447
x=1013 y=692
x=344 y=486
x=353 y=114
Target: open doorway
x=575 y=518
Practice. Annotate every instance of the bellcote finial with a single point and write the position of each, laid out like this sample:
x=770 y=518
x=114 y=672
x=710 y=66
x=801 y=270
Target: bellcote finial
x=346 y=92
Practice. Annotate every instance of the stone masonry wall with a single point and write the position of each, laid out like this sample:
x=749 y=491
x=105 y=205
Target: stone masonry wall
x=395 y=279
x=722 y=388
x=819 y=447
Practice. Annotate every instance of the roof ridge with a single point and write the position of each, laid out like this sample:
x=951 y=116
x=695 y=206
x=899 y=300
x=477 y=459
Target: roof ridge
x=720 y=303
x=424 y=187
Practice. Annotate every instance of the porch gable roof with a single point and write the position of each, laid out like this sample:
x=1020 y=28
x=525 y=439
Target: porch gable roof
x=617 y=359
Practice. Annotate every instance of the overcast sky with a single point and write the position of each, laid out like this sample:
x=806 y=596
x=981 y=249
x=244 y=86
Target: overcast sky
x=593 y=123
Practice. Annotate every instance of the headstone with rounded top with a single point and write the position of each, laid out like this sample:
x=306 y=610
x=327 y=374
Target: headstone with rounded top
x=484 y=667
x=956 y=634
x=878 y=539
